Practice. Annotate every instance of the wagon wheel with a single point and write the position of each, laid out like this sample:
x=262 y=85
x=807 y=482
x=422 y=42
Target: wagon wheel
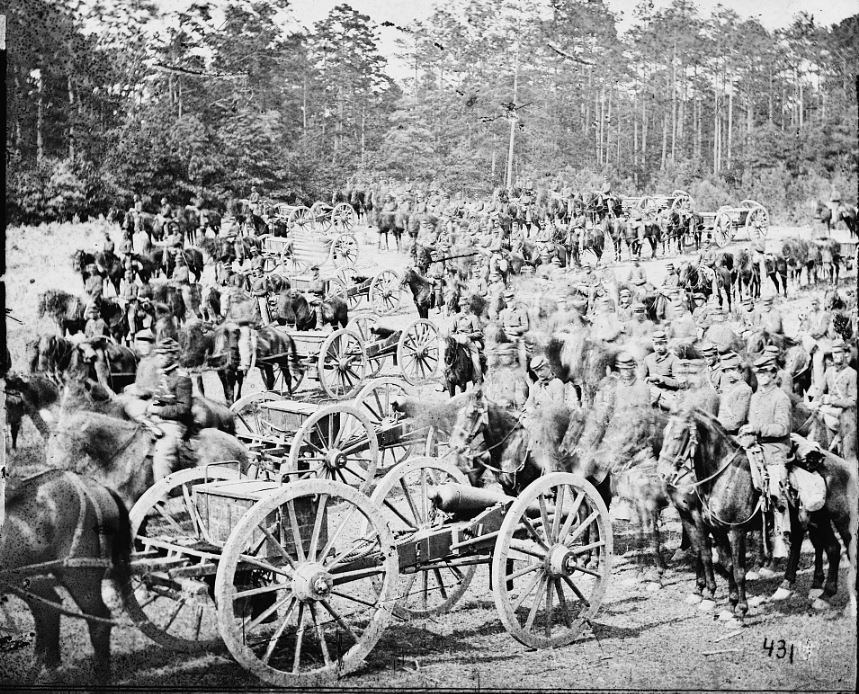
x=179 y=615
x=402 y=495
x=342 y=364
x=339 y=286
x=269 y=263
x=344 y=217
x=292 y=267
x=344 y=250
x=418 y=352
x=375 y=400
x=647 y=204
x=315 y=215
x=540 y=556
x=722 y=228
x=299 y=217
x=385 y=292
x=682 y=201
x=361 y=324
x=251 y=416
x=337 y=442
x=436 y=445
x=323 y=616
x=758 y=218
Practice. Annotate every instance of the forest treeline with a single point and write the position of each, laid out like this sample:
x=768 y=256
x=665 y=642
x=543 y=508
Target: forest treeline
x=109 y=98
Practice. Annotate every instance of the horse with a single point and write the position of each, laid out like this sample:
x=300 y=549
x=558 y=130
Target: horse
x=274 y=349
x=29 y=395
x=795 y=253
x=421 y=289
x=117 y=370
x=204 y=346
x=709 y=477
x=776 y=269
x=110 y=266
x=293 y=308
x=65 y=309
x=748 y=274
x=458 y=367
x=823 y=212
x=53 y=517
x=50 y=355
x=117 y=452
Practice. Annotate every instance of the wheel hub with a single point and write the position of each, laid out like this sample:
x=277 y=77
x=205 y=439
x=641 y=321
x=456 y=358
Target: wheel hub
x=560 y=561
x=311 y=582
x=335 y=459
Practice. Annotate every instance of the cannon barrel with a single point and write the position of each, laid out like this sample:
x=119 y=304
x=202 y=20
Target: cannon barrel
x=462 y=498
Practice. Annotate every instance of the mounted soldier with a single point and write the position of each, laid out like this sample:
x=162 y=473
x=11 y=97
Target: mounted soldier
x=836 y=396
x=735 y=396
x=506 y=383
x=468 y=331
x=170 y=408
x=766 y=438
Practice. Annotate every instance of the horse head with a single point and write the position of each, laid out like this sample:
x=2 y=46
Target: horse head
x=470 y=421
x=679 y=445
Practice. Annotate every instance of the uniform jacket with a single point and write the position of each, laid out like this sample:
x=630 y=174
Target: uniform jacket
x=174 y=396
x=770 y=414
x=662 y=365
x=734 y=405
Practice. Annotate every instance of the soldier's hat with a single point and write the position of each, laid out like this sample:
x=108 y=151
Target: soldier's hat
x=708 y=349
x=767 y=301
x=765 y=363
x=314 y=268
x=167 y=346
x=145 y=335
x=730 y=360
x=638 y=281
x=538 y=362
x=699 y=296
x=638 y=307
x=464 y=300
x=625 y=361
x=839 y=346
x=660 y=336
x=625 y=290
x=669 y=266
x=747 y=301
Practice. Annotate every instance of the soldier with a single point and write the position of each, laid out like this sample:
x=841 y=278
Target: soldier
x=736 y=394
x=769 y=426
x=506 y=384
x=769 y=319
x=315 y=295
x=171 y=406
x=140 y=241
x=671 y=277
x=682 y=327
x=783 y=378
x=700 y=310
x=747 y=313
x=714 y=369
x=547 y=391
x=636 y=272
x=631 y=392
x=624 y=306
x=659 y=367
x=837 y=395
x=128 y=297
x=641 y=325
x=107 y=245
x=605 y=325
x=819 y=346
x=469 y=332
x=720 y=333
x=515 y=323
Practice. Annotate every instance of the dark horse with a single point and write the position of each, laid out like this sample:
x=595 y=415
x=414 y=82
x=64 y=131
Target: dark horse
x=52 y=517
x=205 y=347
x=274 y=349
x=421 y=289
x=458 y=368
x=293 y=308
x=709 y=479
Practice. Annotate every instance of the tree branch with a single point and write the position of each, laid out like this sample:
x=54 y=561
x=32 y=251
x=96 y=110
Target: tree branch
x=564 y=54
x=196 y=73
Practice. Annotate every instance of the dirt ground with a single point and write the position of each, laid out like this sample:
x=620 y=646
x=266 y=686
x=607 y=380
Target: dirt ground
x=639 y=640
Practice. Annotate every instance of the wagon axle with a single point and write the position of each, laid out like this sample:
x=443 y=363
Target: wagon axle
x=312 y=582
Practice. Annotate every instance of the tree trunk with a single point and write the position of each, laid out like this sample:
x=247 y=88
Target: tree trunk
x=179 y=98
x=730 y=122
x=644 y=130
x=304 y=105
x=634 y=129
x=40 y=119
x=71 y=93
x=664 y=157
x=673 y=102
x=716 y=132
x=363 y=138
x=801 y=104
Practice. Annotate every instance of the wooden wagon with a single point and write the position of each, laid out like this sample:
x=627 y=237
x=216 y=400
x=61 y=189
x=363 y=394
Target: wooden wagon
x=299 y=575
x=749 y=216
x=678 y=201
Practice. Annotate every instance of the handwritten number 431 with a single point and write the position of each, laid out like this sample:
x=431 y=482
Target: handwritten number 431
x=779 y=649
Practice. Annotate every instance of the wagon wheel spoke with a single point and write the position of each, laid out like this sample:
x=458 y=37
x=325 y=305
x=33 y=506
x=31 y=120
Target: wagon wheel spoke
x=278 y=633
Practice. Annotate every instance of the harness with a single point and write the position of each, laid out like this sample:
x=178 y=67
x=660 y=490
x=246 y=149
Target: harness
x=483 y=421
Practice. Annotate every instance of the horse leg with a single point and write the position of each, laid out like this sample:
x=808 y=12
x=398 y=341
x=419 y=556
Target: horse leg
x=199 y=382
x=737 y=539
x=706 y=554
x=86 y=592
x=47 y=624
x=267 y=373
x=833 y=557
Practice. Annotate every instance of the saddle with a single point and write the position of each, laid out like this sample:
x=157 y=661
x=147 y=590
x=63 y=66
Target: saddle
x=806 y=486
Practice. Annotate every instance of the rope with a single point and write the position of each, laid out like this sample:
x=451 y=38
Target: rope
x=28 y=597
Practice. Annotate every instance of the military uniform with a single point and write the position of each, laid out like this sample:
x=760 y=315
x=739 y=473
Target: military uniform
x=770 y=416
x=468 y=326
x=771 y=321
x=663 y=366
x=734 y=405
x=683 y=327
x=839 y=390
x=507 y=386
x=173 y=400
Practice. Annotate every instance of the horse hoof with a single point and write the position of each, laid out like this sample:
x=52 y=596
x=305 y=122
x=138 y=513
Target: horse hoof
x=767 y=573
x=752 y=575
x=707 y=605
x=693 y=599
x=781 y=594
x=815 y=593
x=821 y=605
